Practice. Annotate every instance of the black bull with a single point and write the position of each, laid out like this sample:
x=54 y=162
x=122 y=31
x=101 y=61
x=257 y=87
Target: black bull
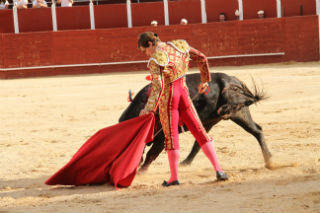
x=226 y=98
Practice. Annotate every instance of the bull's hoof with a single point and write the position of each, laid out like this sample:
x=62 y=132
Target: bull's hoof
x=269 y=164
x=142 y=170
x=185 y=163
x=221 y=176
x=273 y=166
x=166 y=184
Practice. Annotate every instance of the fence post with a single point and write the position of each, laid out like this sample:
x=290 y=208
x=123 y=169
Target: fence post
x=15 y=17
x=54 y=16
x=166 y=12
x=129 y=15
x=279 y=8
x=92 y=22
x=203 y=12
x=240 y=9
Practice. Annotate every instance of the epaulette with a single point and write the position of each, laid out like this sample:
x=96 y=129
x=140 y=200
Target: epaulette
x=159 y=57
x=180 y=45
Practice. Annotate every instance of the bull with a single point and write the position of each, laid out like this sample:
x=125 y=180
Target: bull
x=227 y=98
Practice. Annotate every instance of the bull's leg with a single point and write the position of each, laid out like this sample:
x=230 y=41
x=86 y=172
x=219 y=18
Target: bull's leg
x=243 y=118
x=153 y=152
x=192 y=154
x=195 y=148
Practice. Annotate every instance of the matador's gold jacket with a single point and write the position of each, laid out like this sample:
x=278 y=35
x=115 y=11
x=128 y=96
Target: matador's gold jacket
x=171 y=61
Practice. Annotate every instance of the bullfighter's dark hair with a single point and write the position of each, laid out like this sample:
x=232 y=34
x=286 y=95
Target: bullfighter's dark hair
x=145 y=37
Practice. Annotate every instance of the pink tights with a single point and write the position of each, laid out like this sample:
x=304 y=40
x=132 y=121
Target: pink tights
x=178 y=105
x=174 y=155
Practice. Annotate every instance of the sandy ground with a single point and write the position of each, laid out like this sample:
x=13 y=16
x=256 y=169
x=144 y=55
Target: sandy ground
x=45 y=120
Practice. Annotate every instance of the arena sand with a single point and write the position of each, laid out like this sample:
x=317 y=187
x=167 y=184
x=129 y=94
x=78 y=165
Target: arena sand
x=45 y=120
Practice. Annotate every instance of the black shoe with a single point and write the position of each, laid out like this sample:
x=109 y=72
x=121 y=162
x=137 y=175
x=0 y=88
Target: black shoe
x=166 y=184
x=221 y=176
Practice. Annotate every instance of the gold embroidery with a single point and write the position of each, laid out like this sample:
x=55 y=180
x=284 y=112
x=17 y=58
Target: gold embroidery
x=159 y=57
x=164 y=111
x=172 y=62
x=156 y=86
x=178 y=65
x=181 y=45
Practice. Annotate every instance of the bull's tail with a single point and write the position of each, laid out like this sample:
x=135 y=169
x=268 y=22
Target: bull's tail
x=237 y=95
x=130 y=96
x=252 y=97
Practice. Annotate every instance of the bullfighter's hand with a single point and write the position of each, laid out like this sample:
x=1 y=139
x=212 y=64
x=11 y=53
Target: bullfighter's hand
x=202 y=87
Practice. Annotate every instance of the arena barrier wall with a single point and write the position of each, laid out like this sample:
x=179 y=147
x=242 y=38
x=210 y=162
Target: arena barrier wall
x=115 y=49
x=251 y=7
x=115 y=15
x=228 y=7
x=298 y=7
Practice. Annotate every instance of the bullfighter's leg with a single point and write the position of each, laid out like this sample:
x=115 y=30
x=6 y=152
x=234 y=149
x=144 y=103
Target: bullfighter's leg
x=243 y=118
x=195 y=148
x=192 y=121
x=169 y=117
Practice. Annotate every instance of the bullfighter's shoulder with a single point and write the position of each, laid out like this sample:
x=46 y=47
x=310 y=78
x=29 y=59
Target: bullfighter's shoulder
x=180 y=45
x=159 y=57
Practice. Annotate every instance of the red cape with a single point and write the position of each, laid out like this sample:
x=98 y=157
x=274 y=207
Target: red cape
x=111 y=155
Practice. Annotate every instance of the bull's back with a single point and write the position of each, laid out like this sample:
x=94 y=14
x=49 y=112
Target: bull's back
x=137 y=104
x=217 y=83
x=193 y=80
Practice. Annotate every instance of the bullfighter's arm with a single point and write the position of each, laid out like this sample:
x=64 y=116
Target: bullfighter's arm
x=202 y=62
x=155 y=71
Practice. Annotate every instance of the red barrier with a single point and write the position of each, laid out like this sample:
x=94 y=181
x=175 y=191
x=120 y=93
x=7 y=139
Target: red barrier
x=35 y=19
x=297 y=37
x=215 y=7
x=71 y=18
x=302 y=42
x=115 y=15
x=298 y=7
x=190 y=10
x=143 y=14
x=110 y=16
x=2 y=49
x=251 y=7
x=6 y=18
